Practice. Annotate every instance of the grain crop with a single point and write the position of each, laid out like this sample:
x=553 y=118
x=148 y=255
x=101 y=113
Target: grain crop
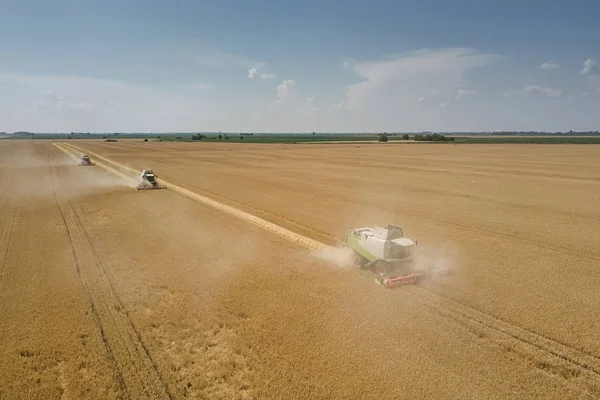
x=209 y=289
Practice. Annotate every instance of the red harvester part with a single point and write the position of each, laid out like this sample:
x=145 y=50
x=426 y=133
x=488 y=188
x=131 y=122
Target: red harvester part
x=391 y=280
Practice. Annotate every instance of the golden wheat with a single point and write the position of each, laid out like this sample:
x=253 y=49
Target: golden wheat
x=106 y=292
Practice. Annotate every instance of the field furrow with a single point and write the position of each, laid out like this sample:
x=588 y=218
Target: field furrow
x=137 y=372
x=561 y=359
x=8 y=219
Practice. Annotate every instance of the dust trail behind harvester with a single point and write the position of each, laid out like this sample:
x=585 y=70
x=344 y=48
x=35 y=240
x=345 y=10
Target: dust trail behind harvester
x=85 y=180
x=253 y=219
x=341 y=257
x=338 y=256
x=93 y=178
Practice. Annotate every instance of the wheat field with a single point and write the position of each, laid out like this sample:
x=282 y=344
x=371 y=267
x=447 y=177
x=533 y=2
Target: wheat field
x=211 y=289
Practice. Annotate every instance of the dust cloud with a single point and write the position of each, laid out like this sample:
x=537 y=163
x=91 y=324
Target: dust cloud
x=342 y=257
x=31 y=177
x=435 y=258
x=427 y=258
x=430 y=256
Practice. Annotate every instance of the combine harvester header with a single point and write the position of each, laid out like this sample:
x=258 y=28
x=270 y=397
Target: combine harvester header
x=389 y=254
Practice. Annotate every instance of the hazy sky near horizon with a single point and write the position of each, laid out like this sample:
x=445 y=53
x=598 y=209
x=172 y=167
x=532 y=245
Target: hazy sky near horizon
x=291 y=66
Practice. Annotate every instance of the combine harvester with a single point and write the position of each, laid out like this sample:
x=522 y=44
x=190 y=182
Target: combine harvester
x=148 y=181
x=86 y=161
x=389 y=254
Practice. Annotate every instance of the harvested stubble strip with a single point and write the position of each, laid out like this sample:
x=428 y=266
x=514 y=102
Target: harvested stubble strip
x=266 y=225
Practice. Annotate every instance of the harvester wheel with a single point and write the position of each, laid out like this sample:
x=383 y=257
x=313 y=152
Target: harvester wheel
x=359 y=261
x=380 y=267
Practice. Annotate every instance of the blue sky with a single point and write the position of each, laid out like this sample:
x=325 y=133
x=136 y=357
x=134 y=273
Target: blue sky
x=283 y=66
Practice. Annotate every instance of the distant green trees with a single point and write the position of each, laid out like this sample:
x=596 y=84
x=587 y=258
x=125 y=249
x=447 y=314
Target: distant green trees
x=433 y=138
x=405 y=136
x=199 y=136
x=383 y=137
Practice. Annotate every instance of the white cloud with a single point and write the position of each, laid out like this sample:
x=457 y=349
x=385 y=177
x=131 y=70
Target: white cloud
x=252 y=72
x=265 y=75
x=286 y=91
x=549 y=66
x=52 y=99
x=465 y=93
x=416 y=91
x=590 y=68
x=391 y=79
x=51 y=96
x=48 y=103
x=544 y=91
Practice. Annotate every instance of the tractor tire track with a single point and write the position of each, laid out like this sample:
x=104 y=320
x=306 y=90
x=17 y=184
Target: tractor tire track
x=103 y=336
x=135 y=371
x=137 y=337
x=563 y=361
x=560 y=359
x=7 y=232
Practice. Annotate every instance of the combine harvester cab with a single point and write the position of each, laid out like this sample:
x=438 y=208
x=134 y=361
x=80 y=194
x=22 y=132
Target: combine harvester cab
x=86 y=161
x=148 y=181
x=389 y=254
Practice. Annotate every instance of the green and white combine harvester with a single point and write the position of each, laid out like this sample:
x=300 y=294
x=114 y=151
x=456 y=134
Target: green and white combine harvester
x=147 y=181
x=389 y=254
x=86 y=161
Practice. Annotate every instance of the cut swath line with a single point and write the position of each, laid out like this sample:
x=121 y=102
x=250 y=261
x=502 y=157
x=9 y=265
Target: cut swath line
x=70 y=153
x=253 y=219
